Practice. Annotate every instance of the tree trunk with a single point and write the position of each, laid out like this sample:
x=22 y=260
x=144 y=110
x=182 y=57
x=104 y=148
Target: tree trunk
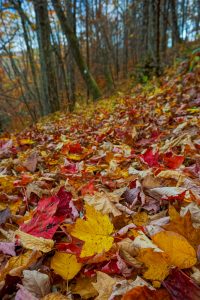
x=50 y=98
x=175 y=31
x=73 y=42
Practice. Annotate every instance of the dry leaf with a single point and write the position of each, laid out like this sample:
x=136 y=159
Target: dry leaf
x=103 y=203
x=104 y=285
x=36 y=283
x=156 y=262
x=65 y=265
x=95 y=231
x=123 y=286
x=183 y=225
x=17 y=264
x=55 y=296
x=84 y=288
x=140 y=218
x=180 y=252
x=23 y=294
x=29 y=241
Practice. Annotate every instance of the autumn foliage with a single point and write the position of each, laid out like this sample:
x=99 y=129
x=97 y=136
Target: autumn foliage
x=104 y=203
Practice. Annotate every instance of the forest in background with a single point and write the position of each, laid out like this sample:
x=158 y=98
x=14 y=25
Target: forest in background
x=55 y=53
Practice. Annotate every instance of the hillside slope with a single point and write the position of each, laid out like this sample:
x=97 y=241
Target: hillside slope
x=104 y=203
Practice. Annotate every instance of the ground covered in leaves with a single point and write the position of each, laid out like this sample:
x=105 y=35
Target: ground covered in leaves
x=105 y=203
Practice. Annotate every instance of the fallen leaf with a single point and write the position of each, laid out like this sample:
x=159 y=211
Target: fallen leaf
x=4 y=215
x=103 y=203
x=180 y=252
x=65 y=265
x=29 y=241
x=183 y=225
x=95 y=231
x=55 y=296
x=144 y=293
x=38 y=284
x=123 y=286
x=7 y=248
x=23 y=294
x=103 y=289
x=180 y=286
x=17 y=264
x=84 y=288
x=156 y=262
x=31 y=162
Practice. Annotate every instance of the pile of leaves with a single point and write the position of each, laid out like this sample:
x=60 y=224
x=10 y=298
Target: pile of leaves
x=105 y=203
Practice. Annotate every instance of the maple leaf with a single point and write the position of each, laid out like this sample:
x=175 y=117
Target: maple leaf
x=103 y=202
x=183 y=225
x=95 y=231
x=156 y=262
x=173 y=161
x=65 y=265
x=150 y=158
x=49 y=214
x=180 y=252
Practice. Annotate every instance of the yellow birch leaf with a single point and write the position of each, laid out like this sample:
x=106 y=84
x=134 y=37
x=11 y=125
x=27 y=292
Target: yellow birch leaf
x=29 y=241
x=95 y=231
x=156 y=262
x=17 y=264
x=65 y=265
x=180 y=252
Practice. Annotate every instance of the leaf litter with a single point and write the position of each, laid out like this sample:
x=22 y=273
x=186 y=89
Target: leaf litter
x=104 y=203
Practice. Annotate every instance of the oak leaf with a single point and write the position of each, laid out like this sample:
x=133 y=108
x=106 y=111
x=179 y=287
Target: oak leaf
x=95 y=231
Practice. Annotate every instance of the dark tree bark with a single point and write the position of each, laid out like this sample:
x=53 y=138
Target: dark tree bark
x=175 y=30
x=50 y=98
x=71 y=15
x=73 y=42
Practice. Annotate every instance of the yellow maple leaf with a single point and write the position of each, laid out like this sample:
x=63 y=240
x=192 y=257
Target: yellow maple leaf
x=65 y=265
x=180 y=252
x=183 y=226
x=95 y=231
x=156 y=262
x=35 y=243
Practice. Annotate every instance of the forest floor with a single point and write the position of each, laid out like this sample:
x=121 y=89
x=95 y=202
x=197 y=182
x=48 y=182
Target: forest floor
x=104 y=203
